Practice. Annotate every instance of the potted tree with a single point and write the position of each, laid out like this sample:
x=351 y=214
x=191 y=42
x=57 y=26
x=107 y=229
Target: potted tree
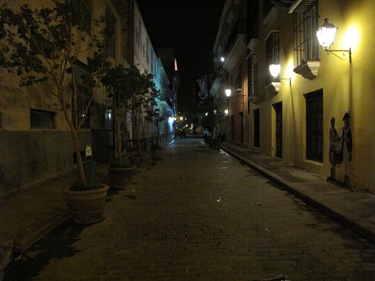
x=143 y=94
x=157 y=150
x=48 y=48
x=117 y=82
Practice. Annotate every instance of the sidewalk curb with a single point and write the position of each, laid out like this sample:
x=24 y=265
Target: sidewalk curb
x=31 y=235
x=359 y=227
x=38 y=230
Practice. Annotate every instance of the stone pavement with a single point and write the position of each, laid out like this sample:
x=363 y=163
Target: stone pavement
x=355 y=209
x=30 y=213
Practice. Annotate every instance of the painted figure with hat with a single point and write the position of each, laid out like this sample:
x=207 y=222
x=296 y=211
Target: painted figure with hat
x=347 y=144
x=334 y=158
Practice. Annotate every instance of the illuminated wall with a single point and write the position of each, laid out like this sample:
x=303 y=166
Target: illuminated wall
x=147 y=60
x=346 y=88
x=143 y=50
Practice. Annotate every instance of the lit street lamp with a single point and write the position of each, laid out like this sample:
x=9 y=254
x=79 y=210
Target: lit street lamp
x=228 y=92
x=326 y=36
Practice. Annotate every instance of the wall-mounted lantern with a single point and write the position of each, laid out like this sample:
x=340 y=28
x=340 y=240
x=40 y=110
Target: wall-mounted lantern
x=326 y=36
x=275 y=72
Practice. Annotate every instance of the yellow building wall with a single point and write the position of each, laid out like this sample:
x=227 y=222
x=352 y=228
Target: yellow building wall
x=268 y=97
x=237 y=103
x=346 y=87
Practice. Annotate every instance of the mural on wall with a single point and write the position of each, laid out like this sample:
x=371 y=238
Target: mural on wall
x=340 y=149
x=347 y=144
x=334 y=148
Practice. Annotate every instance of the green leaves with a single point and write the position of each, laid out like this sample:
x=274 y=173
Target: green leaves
x=43 y=46
x=40 y=36
x=129 y=88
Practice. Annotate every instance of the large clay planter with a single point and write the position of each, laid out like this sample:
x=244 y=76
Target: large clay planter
x=121 y=178
x=140 y=161
x=215 y=144
x=86 y=206
x=157 y=153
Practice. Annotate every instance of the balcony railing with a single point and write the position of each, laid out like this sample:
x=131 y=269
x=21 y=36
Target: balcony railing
x=239 y=28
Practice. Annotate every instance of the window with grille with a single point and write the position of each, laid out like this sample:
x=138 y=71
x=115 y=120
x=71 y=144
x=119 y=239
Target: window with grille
x=253 y=75
x=305 y=24
x=272 y=52
x=314 y=126
x=108 y=119
x=41 y=119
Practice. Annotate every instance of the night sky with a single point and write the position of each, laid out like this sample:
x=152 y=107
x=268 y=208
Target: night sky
x=189 y=27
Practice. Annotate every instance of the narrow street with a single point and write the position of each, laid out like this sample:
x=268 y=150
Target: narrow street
x=200 y=214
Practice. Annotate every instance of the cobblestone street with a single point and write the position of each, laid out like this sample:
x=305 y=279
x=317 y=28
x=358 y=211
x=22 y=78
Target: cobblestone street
x=201 y=215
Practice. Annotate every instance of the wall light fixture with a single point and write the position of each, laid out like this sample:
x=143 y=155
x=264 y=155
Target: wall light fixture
x=275 y=72
x=326 y=36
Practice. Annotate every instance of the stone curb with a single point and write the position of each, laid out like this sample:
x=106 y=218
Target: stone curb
x=12 y=249
x=38 y=230
x=6 y=255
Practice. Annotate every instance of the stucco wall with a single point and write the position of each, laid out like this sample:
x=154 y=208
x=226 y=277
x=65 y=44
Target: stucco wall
x=346 y=88
x=31 y=156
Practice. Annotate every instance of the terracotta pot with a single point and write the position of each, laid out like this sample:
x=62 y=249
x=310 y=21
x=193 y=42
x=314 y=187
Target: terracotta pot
x=121 y=178
x=86 y=206
x=157 y=154
x=140 y=161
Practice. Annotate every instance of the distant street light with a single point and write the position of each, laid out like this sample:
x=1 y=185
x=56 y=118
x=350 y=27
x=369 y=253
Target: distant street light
x=228 y=92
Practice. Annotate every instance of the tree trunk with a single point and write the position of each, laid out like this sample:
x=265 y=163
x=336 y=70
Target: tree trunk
x=137 y=134
x=77 y=149
x=117 y=136
x=76 y=144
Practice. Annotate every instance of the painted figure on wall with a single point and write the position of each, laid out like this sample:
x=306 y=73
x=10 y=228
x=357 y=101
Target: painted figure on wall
x=340 y=149
x=346 y=145
x=334 y=139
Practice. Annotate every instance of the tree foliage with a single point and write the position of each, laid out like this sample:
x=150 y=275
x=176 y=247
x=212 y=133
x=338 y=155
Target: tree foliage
x=214 y=114
x=154 y=116
x=129 y=90
x=48 y=48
